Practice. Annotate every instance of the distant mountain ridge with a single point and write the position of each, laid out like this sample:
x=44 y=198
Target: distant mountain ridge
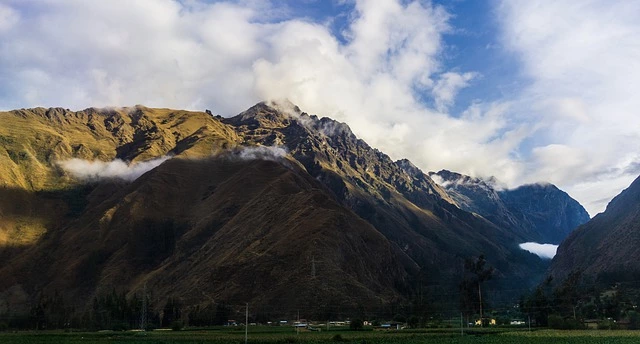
x=334 y=224
x=541 y=212
x=606 y=249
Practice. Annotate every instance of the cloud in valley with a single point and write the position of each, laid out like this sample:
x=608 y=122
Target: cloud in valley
x=546 y=251
x=386 y=72
x=116 y=169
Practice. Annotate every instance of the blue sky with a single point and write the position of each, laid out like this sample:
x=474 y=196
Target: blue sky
x=524 y=90
x=471 y=45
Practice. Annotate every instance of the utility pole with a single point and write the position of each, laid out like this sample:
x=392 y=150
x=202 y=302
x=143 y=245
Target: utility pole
x=246 y=323
x=313 y=266
x=461 y=324
x=143 y=313
x=480 y=296
x=298 y=324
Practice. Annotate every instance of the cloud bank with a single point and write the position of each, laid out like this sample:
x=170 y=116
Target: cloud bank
x=545 y=251
x=273 y=153
x=116 y=169
x=582 y=60
x=572 y=121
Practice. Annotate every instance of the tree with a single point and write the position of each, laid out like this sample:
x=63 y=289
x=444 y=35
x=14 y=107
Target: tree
x=356 y=324
x=538 y=306
x=476 y=272
x=413 y=321
x=569 y=294
x=172 y=312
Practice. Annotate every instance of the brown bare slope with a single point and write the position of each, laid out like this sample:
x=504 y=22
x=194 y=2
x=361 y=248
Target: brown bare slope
x=398 y=199
x=219 y=229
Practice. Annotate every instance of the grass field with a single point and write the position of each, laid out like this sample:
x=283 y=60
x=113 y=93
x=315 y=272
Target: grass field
x=269 y=336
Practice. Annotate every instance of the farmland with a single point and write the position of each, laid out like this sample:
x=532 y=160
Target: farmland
x=268 y=336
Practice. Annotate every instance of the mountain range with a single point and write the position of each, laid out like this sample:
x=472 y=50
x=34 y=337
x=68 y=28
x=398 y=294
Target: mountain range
x=272 y=207
x=540 y=212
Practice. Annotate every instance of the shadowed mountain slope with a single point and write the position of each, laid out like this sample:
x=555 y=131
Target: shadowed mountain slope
x=538 y=212
x=329 y=224
x=245 y=231
x=401 y=201
x=606 y=248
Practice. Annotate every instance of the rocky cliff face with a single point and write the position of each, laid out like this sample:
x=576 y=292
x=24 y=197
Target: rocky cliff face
x=538 y=212
x=547 y=211
x=326 y=223
x=397 y=198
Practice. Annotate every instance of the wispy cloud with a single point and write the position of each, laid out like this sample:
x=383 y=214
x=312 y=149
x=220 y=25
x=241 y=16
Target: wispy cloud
x=385 y=75
x=583 y=62
x=116 y=169
x=260 y=153
x=447 y=87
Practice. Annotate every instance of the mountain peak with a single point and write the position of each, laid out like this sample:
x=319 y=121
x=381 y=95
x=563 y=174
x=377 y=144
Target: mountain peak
x=281 y=113
x=409 y=167
x=539 y=212
x=447 y=178
x=262 y=115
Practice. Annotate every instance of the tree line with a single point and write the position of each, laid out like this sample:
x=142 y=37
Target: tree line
x=579 y=300
x=114 y=311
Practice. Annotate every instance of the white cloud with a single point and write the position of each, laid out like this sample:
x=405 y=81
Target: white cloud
x=8 y=18
x=583 y=60
x=116 y=169
x=546 y=251
x=448 y=86
x=574 y=125
x=226 y=57
x=261 y=153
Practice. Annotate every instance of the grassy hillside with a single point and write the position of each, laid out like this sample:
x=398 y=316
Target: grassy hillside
x=34 y=141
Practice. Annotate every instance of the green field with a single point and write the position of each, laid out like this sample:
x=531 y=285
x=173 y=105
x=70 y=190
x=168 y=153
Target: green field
x=268 y=336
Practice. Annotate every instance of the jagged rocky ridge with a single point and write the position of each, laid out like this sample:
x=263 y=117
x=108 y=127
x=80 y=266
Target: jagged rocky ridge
x=333 y=225
x=539 y=212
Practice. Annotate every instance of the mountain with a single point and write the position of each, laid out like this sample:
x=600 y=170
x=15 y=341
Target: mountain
x=539 y=212
x=606 y=248
x=548 y=211
x=397 y=198
x=246 y=230
x=273 y=207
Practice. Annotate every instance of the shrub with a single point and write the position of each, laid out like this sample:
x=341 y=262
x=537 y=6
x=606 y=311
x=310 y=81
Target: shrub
x=413 y=321
x=573 y=324
x=634 y=320
x=176 y=325
x=556 y=322
x=120 y=326
x=356 y=325
x=607 y=324
x=399 y=318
